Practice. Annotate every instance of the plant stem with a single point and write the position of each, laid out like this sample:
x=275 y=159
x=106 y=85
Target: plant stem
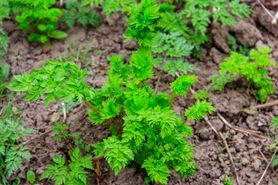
x=92 y=107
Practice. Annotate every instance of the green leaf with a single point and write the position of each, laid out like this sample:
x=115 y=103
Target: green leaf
x=157 y=170
x=31 y=177
x=274 y=122
x=4 y=71
x=58 y=35
x=199 y=110
x=182 y=84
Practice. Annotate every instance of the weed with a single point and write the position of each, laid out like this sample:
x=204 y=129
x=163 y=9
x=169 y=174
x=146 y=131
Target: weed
x=12 y=153
x=252 y=68
x=4 y=40
x=73 y=172
x=144 y=127
x=84 y=15
x=41 y=20
x=227 y=181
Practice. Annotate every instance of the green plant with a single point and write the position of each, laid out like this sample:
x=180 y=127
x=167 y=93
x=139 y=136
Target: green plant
x=72 y=172
x=199 y=110
x=75 y=12
x=162 y=26
x=253 y=68
x=201 y=95
x=12 y=153
x=174 y=66
x=31 y=177
x=227 y=181
x=144 y=127
x=4 y=40
x=274 y=123
x=182 y=84
x=41 y=20
x=4 y=73
x=109 y=6
x=60 y=131
x=242 y=49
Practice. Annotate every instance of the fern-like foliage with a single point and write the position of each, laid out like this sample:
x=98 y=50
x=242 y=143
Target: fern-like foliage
x=110 y=6
x=54 y=81
x=12 y=153
x=174 y=66
x=199 y=110
x=252 y=68
x=4 y=13
x=173 y=45
x=144 y=127
x=182 y=84
x=4 y=72
x=142 y=22
x=75 y=12
x=72 y=173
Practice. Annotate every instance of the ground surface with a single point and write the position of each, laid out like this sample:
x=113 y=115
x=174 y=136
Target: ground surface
x=250 y=153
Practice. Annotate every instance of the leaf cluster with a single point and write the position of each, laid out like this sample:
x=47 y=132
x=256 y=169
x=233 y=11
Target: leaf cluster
x=12 y=153
x=110 y=6
x=176 y=33
x=174 y=66
x=144 y=127
x=55 y=81
x=76 y=12
x=253 y=68
x=40 y=19
x=4 y=13
x=73 y=172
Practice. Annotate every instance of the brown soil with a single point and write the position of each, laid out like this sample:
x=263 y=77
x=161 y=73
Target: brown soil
x=213 y=161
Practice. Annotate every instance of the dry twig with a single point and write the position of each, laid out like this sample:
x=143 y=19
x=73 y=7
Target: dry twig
x=265 y=105
x=34 y=138
x=245 y=131
x=274 y=17
x=230 y=157
x=227 y=148
x=259 y=182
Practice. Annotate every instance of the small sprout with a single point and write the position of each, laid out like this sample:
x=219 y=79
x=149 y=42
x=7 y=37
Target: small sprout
x=182 y=84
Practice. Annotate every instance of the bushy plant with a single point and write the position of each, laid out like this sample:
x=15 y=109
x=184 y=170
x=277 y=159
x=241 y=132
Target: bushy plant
x=177 y=33
x=144 y=127
x=253 y=68
x=4 y=72
x=75 y=12
x=72 y=172
x=4 y=40
x=40 y=19
x=151 y=23
x=109 y=6
x=12 y=153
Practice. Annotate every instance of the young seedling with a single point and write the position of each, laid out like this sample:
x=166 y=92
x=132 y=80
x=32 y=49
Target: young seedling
x=76 y=13
x=40 y=19
x=253 y=68
x=144 y=127
x=72 y=172
x=12 y=153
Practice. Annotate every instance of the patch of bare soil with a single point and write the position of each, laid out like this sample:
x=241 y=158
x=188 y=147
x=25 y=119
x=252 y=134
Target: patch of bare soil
x=250 y=153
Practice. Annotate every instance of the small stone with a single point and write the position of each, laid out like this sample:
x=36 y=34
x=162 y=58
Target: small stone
x=244 y=161
x=246 y=33
x=256 y=164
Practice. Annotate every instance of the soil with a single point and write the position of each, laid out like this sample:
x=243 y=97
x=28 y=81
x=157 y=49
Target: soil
x=250 y=153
